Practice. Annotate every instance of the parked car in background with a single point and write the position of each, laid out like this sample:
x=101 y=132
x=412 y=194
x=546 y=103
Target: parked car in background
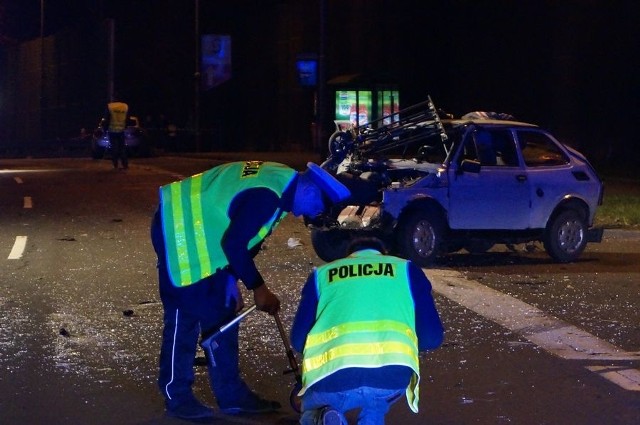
x=136 y=139
x=428 y=186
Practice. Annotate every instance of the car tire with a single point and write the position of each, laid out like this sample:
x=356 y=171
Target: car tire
x=330 y=244
x=339 y=144
x=565 y=236
x=420 y=238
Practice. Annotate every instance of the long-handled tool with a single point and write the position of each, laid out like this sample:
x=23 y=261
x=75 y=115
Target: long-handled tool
x=210 y=343
x=294 y=398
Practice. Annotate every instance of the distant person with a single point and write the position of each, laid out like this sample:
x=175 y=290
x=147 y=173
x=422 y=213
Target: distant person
x=361 y=322
x=115 y=123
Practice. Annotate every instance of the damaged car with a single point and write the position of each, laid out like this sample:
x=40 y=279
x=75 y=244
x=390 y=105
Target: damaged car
x=428 y=186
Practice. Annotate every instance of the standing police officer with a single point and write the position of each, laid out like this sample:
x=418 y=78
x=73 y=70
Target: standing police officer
x=206 y=232
x=360 y=325
x=114 y=124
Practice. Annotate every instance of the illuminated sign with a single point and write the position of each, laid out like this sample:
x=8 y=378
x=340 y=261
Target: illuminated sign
x=388 y=106
x=215 y=66
x=353 y=106
x=307 y=71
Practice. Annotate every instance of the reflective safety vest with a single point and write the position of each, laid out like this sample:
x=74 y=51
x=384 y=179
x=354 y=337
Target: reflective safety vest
x=117 y=116
x=195 y=215
x=365 y=319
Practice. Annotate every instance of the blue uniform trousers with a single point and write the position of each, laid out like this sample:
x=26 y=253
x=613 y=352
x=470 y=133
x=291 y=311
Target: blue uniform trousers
x=373 y=402
x=200 y=308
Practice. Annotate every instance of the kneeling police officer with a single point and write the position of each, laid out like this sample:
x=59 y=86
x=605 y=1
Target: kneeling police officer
x=361 y=322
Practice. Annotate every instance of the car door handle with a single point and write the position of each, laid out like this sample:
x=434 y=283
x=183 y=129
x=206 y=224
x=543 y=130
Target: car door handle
x=521 y=178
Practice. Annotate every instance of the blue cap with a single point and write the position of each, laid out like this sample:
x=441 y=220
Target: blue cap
x=328 y=184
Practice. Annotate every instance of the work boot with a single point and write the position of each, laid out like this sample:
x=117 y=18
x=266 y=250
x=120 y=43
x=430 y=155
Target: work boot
x=330 y=416
x=251 y=403
x=188 y=407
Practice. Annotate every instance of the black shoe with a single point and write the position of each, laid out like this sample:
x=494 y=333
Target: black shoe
x=330 y=416
x=252 y=403
x=188 y=408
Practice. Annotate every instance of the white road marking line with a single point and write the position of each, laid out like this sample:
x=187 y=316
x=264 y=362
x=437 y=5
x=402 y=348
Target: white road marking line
x=18 y=180
x=629 y=379
x=547 y=332
x=18 y=248
x=28 y=202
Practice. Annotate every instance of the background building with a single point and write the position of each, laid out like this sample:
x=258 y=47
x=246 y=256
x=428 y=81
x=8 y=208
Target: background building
x=566 y=65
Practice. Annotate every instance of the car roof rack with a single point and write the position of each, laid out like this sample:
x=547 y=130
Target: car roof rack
x=410 y=125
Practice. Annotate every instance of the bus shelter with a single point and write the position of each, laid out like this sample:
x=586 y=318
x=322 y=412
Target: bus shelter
x=361 y=100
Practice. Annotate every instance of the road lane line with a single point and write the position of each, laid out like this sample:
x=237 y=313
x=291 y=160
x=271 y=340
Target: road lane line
x=549 y=333
x=18 y=248
x=629 y=379
x=28 y=202
x=18 y=180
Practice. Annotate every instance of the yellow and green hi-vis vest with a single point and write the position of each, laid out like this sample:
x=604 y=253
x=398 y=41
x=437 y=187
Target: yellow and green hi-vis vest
x=365 y=318
x=118 y=116
x=195 y=215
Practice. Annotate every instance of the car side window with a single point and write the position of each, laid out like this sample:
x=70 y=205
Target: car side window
x=505 y=148
x=539 y=150
x=491 y=148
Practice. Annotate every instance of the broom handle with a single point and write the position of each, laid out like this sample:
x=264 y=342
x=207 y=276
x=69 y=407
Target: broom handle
x=283 y=334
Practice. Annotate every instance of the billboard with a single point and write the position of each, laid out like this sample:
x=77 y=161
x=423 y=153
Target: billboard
x=307 y=72
x=388 y=105
x=215 y=63
x=353 y=106
x=307 y=68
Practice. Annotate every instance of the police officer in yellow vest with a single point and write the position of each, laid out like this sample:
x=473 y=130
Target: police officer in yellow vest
x=114 y=124
x=361 y=322
x=206 y=232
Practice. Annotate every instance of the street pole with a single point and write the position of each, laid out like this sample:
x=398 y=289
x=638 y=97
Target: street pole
x=196 y=77
x=42 y=75
x=111 y=29
x=322 y=79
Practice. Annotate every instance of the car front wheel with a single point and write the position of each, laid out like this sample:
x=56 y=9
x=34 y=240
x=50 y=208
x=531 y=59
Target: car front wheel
x=565 y=236
x=421 y=237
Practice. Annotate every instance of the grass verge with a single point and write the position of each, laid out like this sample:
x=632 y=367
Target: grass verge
x=621 y=204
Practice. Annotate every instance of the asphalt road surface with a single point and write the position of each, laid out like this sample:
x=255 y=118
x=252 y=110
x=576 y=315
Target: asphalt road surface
x=527 y=342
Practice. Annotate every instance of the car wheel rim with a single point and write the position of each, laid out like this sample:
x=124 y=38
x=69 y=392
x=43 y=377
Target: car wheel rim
x=570 y=236
x=423 y=238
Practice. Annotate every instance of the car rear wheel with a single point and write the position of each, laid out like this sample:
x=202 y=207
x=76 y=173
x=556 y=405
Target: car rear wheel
x=421 y=237
x=565 y=236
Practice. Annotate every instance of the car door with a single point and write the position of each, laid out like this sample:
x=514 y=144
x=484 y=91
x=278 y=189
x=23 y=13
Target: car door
x=549 y=173
x=496 y=197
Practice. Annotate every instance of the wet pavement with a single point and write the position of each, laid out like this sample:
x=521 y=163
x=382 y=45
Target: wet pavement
x=80 y=316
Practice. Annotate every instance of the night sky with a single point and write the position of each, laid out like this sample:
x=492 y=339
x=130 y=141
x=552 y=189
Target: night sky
x=568 y=65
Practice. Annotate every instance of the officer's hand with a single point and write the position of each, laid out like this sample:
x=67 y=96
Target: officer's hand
x=266 y=300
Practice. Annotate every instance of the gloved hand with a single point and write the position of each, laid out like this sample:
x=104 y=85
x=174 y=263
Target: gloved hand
x=266 y=300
